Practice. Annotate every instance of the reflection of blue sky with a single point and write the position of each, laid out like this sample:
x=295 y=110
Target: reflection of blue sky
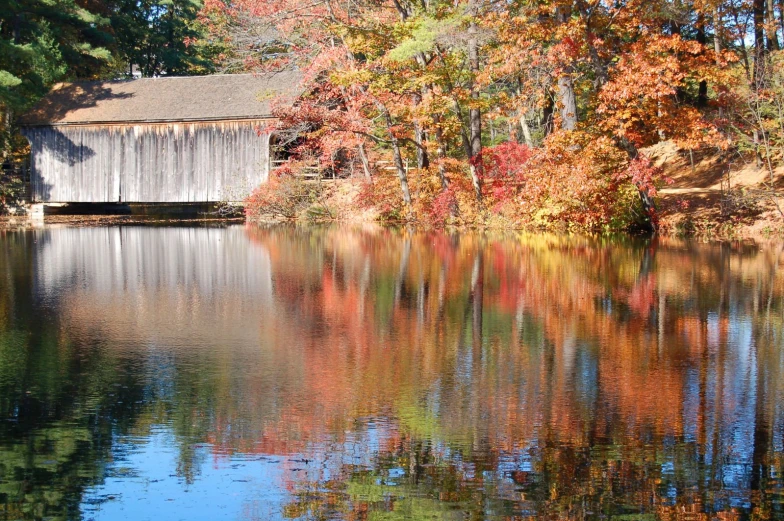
x=739 y=400
x=586 y=377
x=143 y=483
x=359 y=448
x=177 y=293
x=691 y=405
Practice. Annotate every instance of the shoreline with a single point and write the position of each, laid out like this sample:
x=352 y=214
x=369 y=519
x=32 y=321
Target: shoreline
x=721 y=232
x=17 y=222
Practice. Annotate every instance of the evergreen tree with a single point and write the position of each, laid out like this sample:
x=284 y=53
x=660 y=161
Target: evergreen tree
x=42 y=42
x=159 y=37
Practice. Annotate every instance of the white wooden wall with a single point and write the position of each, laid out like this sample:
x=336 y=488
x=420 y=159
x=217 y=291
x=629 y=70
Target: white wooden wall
x=177 y=163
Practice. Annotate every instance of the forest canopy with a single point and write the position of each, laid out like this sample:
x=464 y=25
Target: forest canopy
x=531 y=111
x=43 y=42
x=536 y=111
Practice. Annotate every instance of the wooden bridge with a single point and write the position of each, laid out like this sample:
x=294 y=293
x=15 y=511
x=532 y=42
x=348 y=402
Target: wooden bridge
x=173 y=140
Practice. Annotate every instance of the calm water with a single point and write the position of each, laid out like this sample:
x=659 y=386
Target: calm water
x=338 y=373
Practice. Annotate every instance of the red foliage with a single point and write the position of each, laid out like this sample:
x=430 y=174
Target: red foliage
x=643 y=174
x=443 y=206
x=366 y=85
x=506 y=160
x=504 y=165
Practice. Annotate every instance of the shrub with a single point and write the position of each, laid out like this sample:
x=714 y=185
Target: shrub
x=383 y=195
x=11 y=189
x=282 y=197
x=504 y=167
x=585 y=181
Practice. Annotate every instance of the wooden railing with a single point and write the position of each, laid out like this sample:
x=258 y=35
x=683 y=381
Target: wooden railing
x=389 y=166
x=313 y=173
x=308 y=172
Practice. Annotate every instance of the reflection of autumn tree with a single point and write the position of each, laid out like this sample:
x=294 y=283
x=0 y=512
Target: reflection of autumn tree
x=422 y=372
x=592 y=357
x=410 y=374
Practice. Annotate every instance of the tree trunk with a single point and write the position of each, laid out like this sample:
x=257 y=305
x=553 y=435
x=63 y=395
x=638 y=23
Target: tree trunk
x=441 y=153
x=567 y=102
x=465 y=140
x=759 y=42
x=566 y=98
x=773 y=39
x=781 y=16
x=365 y=163
x=702 y=95
x=474 y=113
x=17 y=29
x=717 y=34
x=547 y=116
x=599 y=66
x=6 y=116
x=523 y=120
x=717 y=48
x=423 y=161
x=475 y=168
x=526 y=131
x=398 y=159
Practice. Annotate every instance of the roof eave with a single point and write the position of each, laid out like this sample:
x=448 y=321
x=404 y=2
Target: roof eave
x=144 y=121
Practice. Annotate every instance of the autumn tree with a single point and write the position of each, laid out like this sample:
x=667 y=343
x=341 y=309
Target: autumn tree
x=587 y=85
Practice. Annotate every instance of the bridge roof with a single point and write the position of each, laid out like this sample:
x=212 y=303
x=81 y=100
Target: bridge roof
x=164 y=99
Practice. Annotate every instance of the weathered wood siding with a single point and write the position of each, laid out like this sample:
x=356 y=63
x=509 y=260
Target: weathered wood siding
x=177 y=163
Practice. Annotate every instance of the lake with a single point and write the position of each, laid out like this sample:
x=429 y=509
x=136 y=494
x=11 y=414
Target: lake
x=353 y=373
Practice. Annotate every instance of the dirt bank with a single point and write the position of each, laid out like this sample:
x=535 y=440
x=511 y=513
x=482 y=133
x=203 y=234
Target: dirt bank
x=718 y=195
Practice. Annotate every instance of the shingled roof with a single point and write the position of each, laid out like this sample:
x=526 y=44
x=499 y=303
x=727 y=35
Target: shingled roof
x=165 y=99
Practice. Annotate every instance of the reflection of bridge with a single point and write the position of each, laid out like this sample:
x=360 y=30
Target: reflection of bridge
x=194 y=286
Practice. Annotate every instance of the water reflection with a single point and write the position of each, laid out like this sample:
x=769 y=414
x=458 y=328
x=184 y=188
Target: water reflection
x=335 y=373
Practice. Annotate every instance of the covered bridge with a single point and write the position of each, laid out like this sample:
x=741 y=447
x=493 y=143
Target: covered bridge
x=174 y=140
